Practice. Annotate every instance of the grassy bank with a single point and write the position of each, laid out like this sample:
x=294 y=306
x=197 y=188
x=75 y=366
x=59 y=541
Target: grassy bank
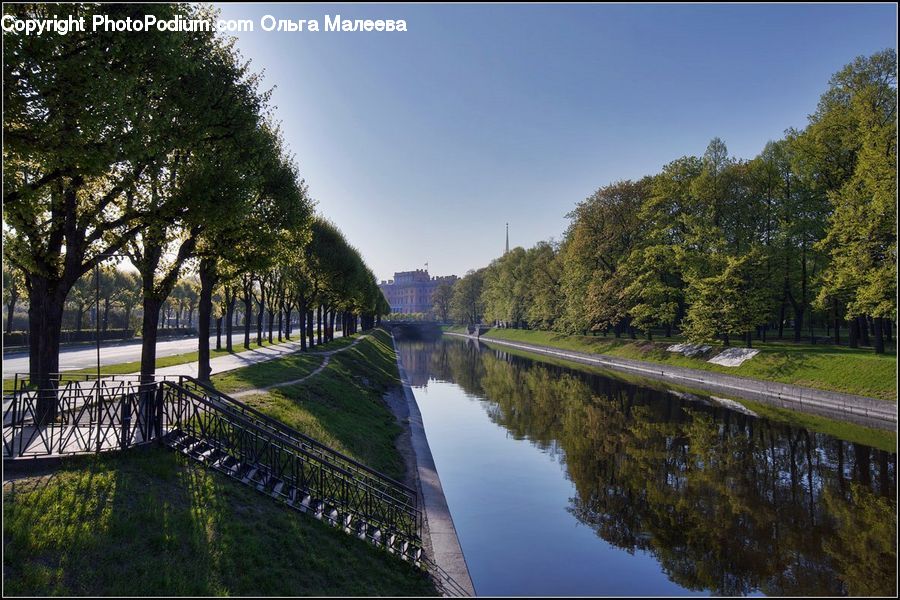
x=341 y=406
x=150 y=522
x=855 y=371
x=876 y=438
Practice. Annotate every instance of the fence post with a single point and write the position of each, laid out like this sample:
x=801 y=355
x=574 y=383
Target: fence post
x=158 y=420
x=126 y=419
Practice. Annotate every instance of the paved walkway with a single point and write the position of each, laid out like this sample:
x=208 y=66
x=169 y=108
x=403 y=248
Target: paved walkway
x=220 y=364
x=325 y=360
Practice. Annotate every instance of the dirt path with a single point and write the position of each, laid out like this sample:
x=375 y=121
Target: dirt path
x=325 y=360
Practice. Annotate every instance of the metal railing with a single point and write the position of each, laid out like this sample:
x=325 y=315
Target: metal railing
x=401 y=493
x=119 y=411
x=76 y=414
x=285 y=468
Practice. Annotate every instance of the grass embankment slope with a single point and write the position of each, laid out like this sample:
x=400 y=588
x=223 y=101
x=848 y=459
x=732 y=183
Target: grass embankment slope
x=828 y=367
x=341 y=406
x=149 y=522
x=851 y=432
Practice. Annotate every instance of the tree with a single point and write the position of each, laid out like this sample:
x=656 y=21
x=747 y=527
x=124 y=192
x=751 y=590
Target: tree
x=729 y=302
x=467 y=306
x=603 y=232
x=861 y=105
x=73 y=148
x=441 y=300
x=13 y=286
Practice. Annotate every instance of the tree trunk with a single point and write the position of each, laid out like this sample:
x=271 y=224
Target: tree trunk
x=879 y=337
x=799 y=309
x=301 y=316
x=331 y=327
x=247 y=309
x=45 y=310
x=280 y=323
x=749 y=339
x=863 y=330
x=148 y=339
x=854 y=332
x=781 y=321
x=11 y=308
x=260 y=315
x=272 y=322
x=219 y=333
x=207 y=271
x=319 y=324
x=310 y=333
x=79 y=317
x=287 y=318
x=230 y=300
x=106 y=304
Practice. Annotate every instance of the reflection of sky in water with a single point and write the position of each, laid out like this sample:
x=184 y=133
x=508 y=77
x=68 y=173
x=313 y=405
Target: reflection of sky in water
x=509 y=499
x=514 y=502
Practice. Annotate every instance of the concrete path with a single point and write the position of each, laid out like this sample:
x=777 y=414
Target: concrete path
x=325 y=360
x=111 y=353
x=870 y=412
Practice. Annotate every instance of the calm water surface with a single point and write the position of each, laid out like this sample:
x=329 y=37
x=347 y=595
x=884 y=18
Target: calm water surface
x=563 y=482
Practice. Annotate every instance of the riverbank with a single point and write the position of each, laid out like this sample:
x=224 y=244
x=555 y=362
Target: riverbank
x=150 y=522
x=442 y=540
x=856 y=409
x=827 y=367
x=119 y=513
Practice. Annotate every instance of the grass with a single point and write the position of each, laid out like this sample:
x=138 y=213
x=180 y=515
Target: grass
x=342 y=406
x=150 y=522
x=876 y=438
x=855 y=371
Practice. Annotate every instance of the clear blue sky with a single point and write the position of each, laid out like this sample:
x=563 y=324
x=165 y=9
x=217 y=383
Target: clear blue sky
x=421 y=145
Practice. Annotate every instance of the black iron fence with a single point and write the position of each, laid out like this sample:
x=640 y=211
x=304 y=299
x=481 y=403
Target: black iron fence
x=400 y=493
x=115 y=412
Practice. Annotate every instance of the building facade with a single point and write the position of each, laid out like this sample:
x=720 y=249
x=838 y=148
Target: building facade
x=411 y=291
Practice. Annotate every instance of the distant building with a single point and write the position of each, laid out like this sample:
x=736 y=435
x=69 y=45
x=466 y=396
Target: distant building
x=411 y=291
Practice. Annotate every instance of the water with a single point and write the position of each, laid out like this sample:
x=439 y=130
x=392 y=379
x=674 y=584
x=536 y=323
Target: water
x=562 y=482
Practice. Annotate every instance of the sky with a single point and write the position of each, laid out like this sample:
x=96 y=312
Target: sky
x=421 y=145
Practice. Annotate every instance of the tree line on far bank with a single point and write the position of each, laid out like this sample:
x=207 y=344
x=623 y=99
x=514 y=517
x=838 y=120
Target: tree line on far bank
x=160 y=148
x=715 y=247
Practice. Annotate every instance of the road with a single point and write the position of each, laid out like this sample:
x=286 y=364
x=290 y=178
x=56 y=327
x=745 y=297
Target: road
x=113 y=353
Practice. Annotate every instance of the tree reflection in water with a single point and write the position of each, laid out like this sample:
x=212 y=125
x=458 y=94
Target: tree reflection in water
x=725 y=501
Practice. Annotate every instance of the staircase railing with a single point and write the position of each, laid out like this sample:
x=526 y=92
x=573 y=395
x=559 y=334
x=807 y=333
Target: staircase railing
x=119 y=411
x=398 y=491
x=284 y=468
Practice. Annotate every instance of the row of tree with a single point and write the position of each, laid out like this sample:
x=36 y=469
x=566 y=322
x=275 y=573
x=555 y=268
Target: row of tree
x=720 y=247
x=159 y=148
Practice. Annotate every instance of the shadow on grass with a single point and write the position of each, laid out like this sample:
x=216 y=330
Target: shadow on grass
x=148 y=522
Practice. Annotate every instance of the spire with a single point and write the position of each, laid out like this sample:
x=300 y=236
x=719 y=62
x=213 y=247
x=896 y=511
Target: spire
x=507 y=239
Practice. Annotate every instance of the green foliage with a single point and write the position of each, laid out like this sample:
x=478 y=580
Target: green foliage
x=803 y=234
x=467 y=305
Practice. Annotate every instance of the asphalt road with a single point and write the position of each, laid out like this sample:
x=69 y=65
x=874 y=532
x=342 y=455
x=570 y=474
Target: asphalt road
x=112 y=353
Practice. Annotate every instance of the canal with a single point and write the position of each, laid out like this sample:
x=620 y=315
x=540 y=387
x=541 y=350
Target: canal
x=567 y=482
